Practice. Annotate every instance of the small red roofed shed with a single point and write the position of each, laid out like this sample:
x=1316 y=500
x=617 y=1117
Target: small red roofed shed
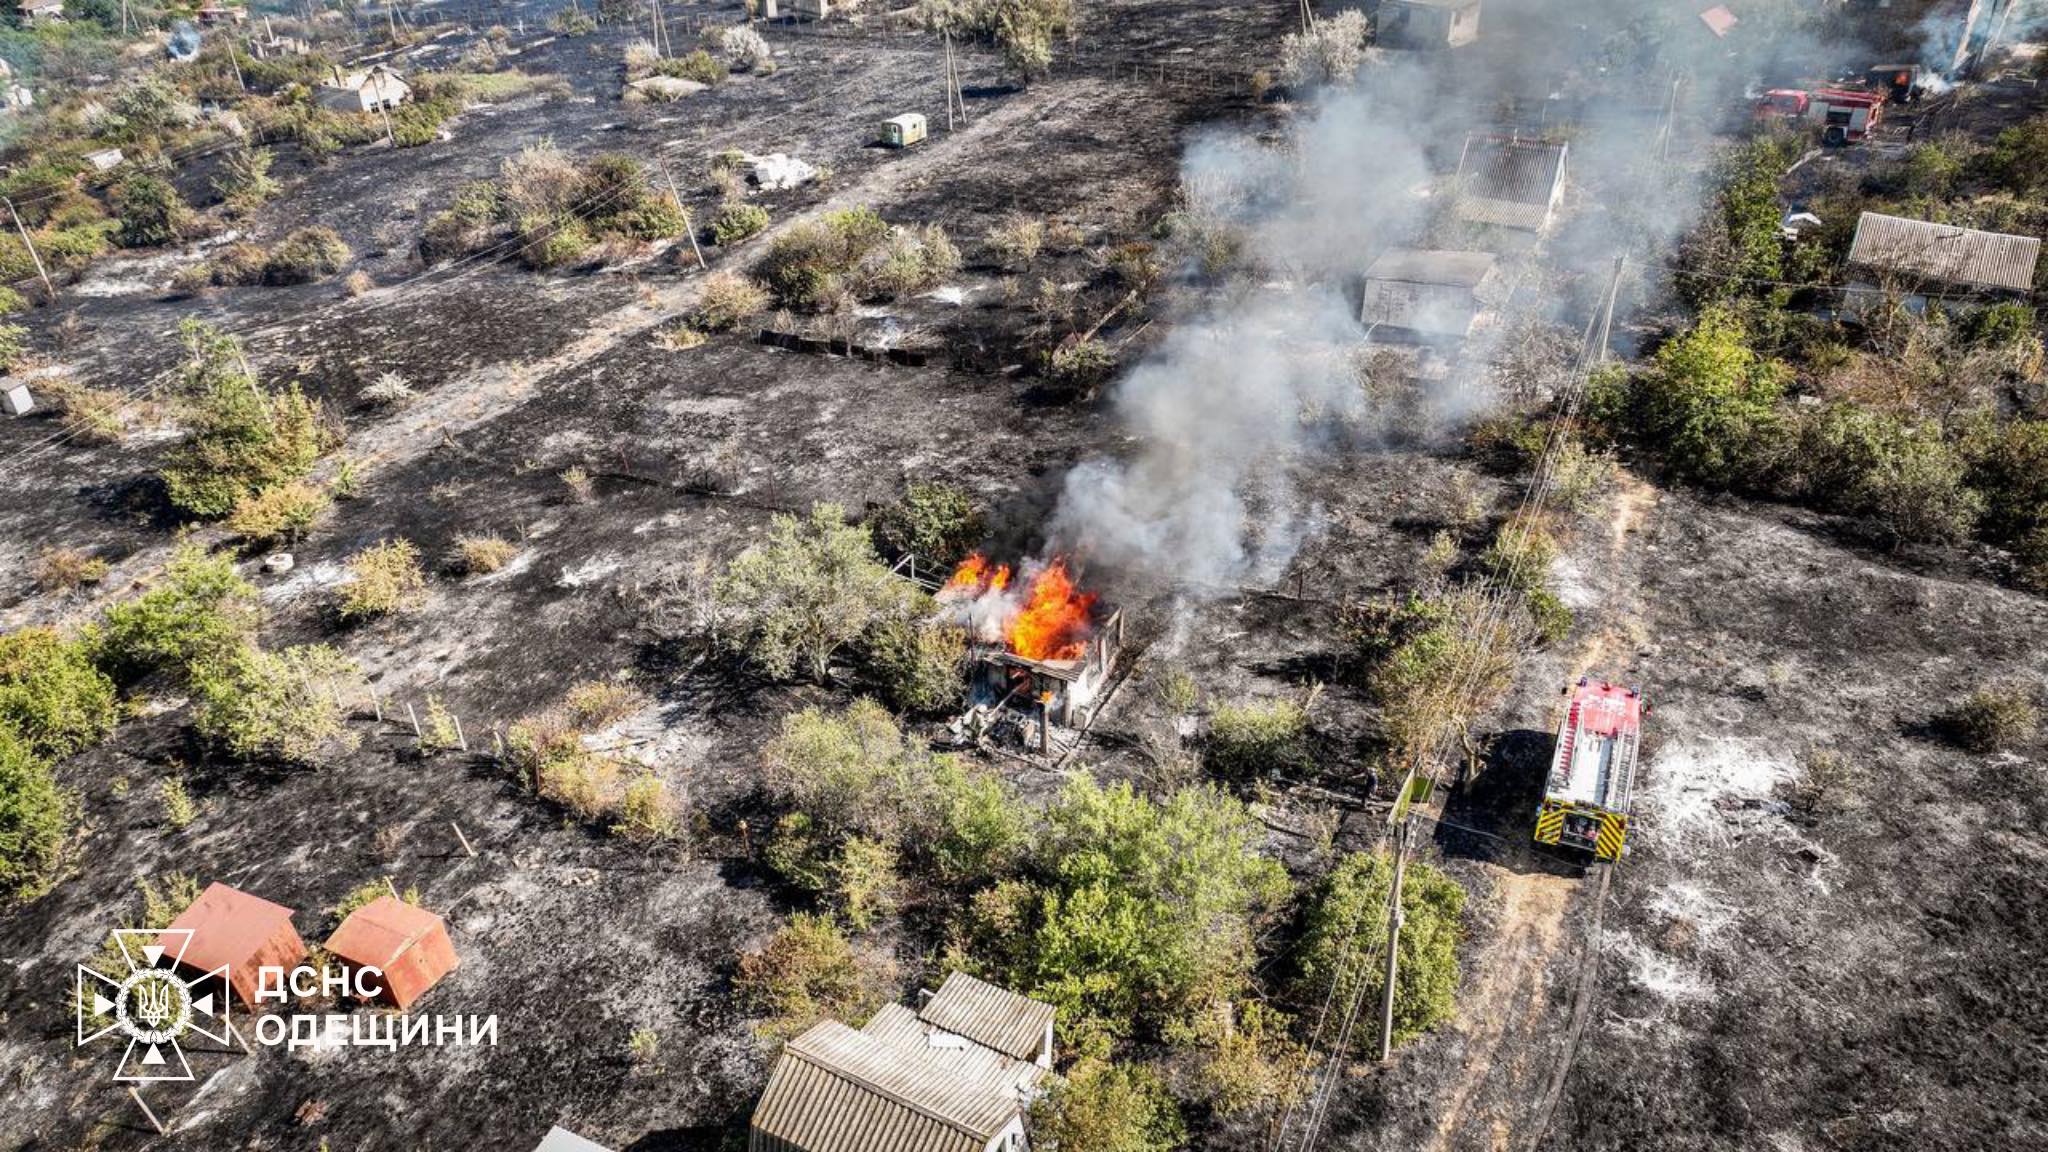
x=229 y=926
x=407 y=943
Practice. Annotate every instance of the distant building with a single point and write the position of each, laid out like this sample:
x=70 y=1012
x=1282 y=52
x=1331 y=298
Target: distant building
x=954 y=1076
x=214 y=14
x=1426 y=294
x=1918 y=261
x=366 y=91
x=1510 y=182
x=1426 y=24
x=105 y=160
x=42 y=12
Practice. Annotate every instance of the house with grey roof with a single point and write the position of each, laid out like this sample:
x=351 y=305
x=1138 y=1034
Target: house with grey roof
x=955 y=1075
x=1918 y=261
x=1426 y=294
x=1509 y=182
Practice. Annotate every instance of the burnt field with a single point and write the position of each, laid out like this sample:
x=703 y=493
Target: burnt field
x=1826 y=933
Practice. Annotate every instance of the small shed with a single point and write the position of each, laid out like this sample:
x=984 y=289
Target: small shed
x=15 y=400
x=1425 y=24
x=367 y=91
x=213 y=14
x=105 y=160
x=1426 y=292
x=405 y=942
x=810 y=9
x=903 y=131
x=1511 y=182
x=230 y=927
x=560 y=1139
x=1920 y=260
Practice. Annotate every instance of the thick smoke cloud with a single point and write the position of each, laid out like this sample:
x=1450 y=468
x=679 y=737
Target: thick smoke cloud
x=1237 y=398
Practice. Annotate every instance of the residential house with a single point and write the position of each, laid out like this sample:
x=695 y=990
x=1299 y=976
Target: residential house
x=366 y=91
x=1510 y=182
x=1916 y=261
x=1426 y=294
x=956 y=1075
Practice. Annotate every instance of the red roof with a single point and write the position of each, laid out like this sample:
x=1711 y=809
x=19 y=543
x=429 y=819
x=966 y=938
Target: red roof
x=231 y=927
x=407 y=943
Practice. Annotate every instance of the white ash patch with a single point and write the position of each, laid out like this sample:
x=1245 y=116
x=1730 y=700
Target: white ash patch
x=1714 y=792
x=954 y=294
x=1694 y=904
x=513 y=567
x=590 y=571
x=1652 y=971
x=1572 y=587
x=312 y=578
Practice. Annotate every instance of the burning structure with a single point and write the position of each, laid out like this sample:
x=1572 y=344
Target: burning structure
x=1036 y=640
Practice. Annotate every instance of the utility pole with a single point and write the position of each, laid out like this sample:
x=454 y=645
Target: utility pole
x=1670 y=120
x=1607 y=316
x=692 y=229
x=1394 y=918
x=949 y=79
x=32 y=254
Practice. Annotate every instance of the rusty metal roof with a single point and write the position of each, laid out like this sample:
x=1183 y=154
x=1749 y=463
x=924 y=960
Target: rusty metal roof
x=379 y=932
x=228 y=926
x=1945 y=254
x=836 y=1089
x=1510 y=182
x=996 y=1017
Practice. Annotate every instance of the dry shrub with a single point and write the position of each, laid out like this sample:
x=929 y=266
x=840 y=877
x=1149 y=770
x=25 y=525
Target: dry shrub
x=807 y=972
x=388 y=579
x=647 y=812
x=728 y=298
x=641 y=56
x=539 y=182
x=1065 y=236
x=1016 y=242
x=282 y=513
x=680 y=338
x=583 y=784
x=357 y=283
x=388 y=391
x=62 y=569
x=600 y=703
x=1992 y=718
x=97 y=413
x=476 y=555
x=577 y=479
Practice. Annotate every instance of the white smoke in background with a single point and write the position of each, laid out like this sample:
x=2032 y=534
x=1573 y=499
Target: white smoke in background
x=184 y=41
x=1235 y=398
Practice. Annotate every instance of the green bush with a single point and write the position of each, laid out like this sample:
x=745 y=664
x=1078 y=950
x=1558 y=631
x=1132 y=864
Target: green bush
x=201 y=612
x=35 y=820
x=306 y=255
x=1551 y=615
x=1259 y=739
x=700 y=66
x=280 y=514
x=151 y=212
x=1104 y=1107
x=2018 y=158
x=806 y=973
x=864 y=881
x=240 y=439
x=2009 y=467
x=935 y=521
x=811 y=261
x=737 y=221
x=1079 y=365
x=51 y=695
x=916 y=665
x=258 y=705
x=1348 y=921
x=245 y=183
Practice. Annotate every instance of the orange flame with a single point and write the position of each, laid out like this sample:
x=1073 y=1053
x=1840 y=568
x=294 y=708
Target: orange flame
x=1056 y=618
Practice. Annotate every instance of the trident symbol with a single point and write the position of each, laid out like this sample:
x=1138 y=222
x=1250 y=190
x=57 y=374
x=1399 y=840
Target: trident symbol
x=153 y=1003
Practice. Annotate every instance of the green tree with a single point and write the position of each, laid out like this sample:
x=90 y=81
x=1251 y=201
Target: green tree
x=1346 y=938
x=1711 y=402
x=274 y=705
x=1259 y=738
x=1105 y=1107
x=241 y=439
x=1737 y=243
x=812 y=588
x=199 y=613
x=35 y=819
x=936 y=522
x=51 y=696
x=151 y=212
x=806 y=973
x=917 y=665
x=1141 y=912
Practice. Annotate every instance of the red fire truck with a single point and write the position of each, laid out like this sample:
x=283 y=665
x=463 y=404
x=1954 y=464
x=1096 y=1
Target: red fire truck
x=1593 y=770
x=1846 y=115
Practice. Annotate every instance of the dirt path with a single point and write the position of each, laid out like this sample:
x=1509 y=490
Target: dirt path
x=1506 y=1013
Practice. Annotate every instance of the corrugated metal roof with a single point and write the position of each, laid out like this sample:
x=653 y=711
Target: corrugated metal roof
x=1511 y=183
x=1432 y=266
x=1945 y=254
x=835 y=1089
x=990 y=1071
x=379 y=932
x=1011 y=1024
